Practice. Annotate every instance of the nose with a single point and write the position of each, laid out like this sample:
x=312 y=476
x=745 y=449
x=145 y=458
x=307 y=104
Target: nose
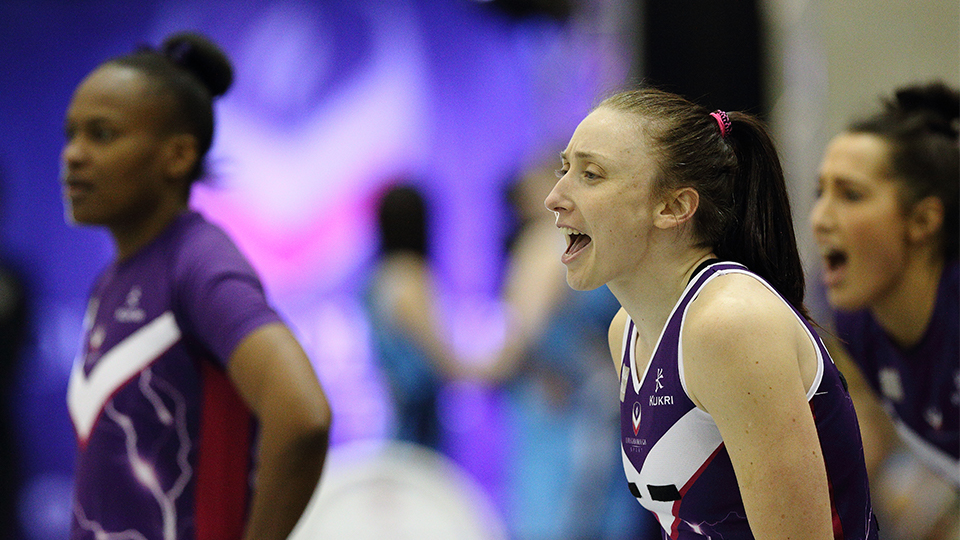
x=821 y=214
x=72 y=155
x=556 y=201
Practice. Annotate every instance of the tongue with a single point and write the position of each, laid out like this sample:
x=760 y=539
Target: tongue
x=579 y=241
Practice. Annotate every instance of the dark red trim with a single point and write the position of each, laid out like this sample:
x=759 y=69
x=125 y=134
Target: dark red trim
x=834 y=513
x=223 y=462
x=675 y=527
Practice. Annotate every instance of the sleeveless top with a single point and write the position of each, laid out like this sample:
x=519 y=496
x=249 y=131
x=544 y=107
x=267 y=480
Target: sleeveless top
x=676 y=463
x=414 y=384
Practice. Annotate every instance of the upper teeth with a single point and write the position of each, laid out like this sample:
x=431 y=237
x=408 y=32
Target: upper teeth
x=568 y=231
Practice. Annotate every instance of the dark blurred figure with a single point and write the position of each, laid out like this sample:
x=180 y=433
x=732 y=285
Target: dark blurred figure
x=555 y=9
x=401 y=299
x=13 y=326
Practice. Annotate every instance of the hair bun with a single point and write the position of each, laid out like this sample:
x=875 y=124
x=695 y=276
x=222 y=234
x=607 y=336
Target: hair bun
x=937 y=102
x=201 y=57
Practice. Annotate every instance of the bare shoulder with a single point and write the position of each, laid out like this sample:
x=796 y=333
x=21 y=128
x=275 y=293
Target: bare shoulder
x=735 y=305
x=742 y=352
x=737 y=327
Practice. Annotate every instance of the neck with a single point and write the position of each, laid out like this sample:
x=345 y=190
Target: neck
x=130 y=237
x=651 y=294
x=906 y=311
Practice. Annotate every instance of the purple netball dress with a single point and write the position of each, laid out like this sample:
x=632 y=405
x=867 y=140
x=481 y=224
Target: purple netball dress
x=676 y=463
x=919 y=386
x=165 y=442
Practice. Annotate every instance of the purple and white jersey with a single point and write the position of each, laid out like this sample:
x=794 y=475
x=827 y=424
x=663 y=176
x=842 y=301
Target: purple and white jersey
x=165 y=442
x=919 y=386
x=674 y=457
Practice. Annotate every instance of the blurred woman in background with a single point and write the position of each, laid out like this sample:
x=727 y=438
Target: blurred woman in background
x=405 y=322
x=197 y=412
x=886 y=224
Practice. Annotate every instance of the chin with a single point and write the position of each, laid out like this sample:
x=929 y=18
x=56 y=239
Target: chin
x=79 y=218
x=844 y=301
x=579 y=284
x=74 y=218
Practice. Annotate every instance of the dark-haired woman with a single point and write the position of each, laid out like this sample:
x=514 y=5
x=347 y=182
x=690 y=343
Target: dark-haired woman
x=406 y=327
x=734 y=420
x=197 y=413
x=886 y=223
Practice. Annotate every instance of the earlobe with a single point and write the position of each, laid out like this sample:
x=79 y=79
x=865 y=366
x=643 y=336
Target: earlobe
x=181 y=155
x=678 y=208
x=925 y=219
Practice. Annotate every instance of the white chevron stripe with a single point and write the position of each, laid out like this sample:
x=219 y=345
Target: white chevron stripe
x=674 y=459
x=935 y=458
x=86 y=396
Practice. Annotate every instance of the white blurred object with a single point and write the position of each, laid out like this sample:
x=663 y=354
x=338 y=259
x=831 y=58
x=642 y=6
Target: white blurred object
x=396 y=491
x=912 y=501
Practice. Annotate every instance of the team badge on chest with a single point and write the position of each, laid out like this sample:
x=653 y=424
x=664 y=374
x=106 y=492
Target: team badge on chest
x=635 y=416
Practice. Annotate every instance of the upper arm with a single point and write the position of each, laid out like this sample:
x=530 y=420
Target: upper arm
x=413 y=308
x=741 y=364
x=535 y=283
x=615 y=338
x=276 y=380
x=218 y=295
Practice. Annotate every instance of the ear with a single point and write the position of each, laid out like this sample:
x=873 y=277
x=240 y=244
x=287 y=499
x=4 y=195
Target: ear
x=925 y=219
x=677 y=208
x=180 y=154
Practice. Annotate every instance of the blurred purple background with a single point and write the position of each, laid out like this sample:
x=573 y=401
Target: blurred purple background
x=333 y=100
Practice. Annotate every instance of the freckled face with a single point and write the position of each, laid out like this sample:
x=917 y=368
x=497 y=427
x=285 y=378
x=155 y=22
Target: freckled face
x=858 y=222
x=113 y=160
x=602 y=199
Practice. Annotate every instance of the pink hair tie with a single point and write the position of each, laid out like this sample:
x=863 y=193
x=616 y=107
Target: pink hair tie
x=723 y=120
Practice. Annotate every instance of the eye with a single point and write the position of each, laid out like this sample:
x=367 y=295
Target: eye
x=592 y=174
x=850 y=194
x=103 y=134
x=560 y=172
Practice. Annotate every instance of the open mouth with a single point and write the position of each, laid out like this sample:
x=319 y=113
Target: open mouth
x=834 y=265
x=76 y=188
x=835 y=259
x=576 y=241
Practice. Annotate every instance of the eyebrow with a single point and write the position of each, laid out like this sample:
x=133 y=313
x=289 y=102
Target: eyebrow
x=580 y=154
x=844 y=180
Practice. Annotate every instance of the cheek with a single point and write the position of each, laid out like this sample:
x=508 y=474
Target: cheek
x=877 y=243
x=136 y=166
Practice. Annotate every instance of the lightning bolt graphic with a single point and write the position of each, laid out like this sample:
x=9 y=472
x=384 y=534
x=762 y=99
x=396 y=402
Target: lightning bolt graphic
x=143 y=470
x=698 y=527
x=97 y=530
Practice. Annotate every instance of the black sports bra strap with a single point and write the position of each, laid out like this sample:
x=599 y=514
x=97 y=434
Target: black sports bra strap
x=701 y=266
